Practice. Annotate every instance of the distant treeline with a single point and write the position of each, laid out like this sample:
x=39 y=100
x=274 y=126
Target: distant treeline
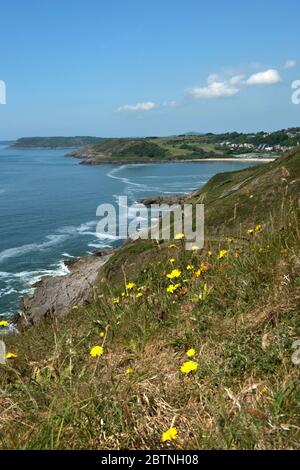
x=56 y=142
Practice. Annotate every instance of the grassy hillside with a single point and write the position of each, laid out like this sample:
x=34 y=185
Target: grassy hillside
x=145 y=150
x=54 y=142
x=205 y=357
x=188 y=146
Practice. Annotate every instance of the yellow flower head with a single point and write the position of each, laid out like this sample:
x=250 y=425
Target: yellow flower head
x=101 y=334
x=130 y=285
x=96 y=351
x=172 y=288
x=204 y=267
x=75 y=307
x=179 y=236
x=250 y=231
x=258 y=228
x=139 y=295
x=10 y=355
x=129 y=371
x=172 y=260
x=222 y=254
x=198 y=273
x=169 y=435
x=175 y=273
x=191 y=352
x=116 y=300
x=190 y=267
x=188 y=367
x=3 y=323
x=209 y=253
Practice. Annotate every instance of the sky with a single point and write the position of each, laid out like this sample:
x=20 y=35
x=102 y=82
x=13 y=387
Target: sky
x=116 y=68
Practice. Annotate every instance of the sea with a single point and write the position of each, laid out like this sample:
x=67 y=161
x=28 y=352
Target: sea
x=48 y=208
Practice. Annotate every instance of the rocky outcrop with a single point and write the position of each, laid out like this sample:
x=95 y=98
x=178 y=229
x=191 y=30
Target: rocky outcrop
x=148 y=201
x=56 y=296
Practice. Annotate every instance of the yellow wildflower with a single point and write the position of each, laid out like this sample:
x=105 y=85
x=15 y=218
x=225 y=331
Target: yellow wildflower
x=175 y=273
x=250 y=231
x=179 y=236
x=209 y=253
x=190 y=267
x=129 y=371
x=169 y=435
x=191 y=352
x=188 y=367
x=130 y=285
x=75 y=307
x=139 y=295
x=172 y=288
x=258 y=228
x=3 y=323
x=172 y=260
x=116 y=300
x=204 y=267
x=222 y=254
x=198 y=273
x=96 y=351
x=101 y=334
x=10 y=355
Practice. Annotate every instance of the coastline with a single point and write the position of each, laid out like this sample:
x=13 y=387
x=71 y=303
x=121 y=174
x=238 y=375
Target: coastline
x=233 y=159
x=54 y=296
x=91 y=161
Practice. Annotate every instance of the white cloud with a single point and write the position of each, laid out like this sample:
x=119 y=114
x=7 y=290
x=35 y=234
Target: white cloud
x=268 y=77
x=170 y=104
x=237 y=80
x=146 y=106
x=215 y=89
x=290 y=64
x=213 y=78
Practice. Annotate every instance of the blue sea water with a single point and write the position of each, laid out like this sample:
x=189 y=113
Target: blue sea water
x=48 y=208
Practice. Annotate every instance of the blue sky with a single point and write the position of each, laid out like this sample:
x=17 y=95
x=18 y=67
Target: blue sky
x=139 y=67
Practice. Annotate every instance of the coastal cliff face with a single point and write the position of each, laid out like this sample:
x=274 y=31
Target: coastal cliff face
x=203 y=342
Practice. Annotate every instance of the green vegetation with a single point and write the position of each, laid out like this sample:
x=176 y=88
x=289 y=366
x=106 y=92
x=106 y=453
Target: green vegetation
x=188 y=147
x=54 y=142
x=237 y=305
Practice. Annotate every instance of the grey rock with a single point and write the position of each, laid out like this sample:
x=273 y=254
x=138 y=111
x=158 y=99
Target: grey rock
x=2 y=352
x=55 y=296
